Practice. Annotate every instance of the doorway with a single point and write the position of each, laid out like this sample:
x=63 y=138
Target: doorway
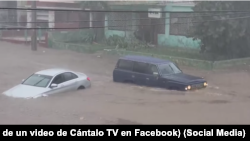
x=157 y=27
x=153 y=31
x=144 y=29
x=150 y=28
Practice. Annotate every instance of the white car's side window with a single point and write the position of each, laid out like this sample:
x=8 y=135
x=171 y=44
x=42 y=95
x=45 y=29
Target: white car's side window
x=69 y=76
x=58 y=79
x=74 y=75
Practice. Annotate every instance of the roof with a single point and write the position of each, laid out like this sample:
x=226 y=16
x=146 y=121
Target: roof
x=145 y=59
x=52 y=72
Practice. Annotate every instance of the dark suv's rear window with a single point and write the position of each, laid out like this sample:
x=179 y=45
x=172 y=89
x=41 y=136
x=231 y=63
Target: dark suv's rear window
x=125 y=65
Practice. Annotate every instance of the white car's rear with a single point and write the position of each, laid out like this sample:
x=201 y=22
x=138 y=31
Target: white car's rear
x=84 y=80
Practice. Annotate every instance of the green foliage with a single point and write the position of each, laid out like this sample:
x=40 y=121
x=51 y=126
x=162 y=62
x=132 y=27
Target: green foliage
x=224 y=38
x=125 y=43
x=116 y=40
x=88 y=38
x=81 y=36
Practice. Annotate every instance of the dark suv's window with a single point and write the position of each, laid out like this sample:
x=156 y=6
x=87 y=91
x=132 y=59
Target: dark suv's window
x=125 y=65
x=141 y=67
x=152 y=69
x=169 y=69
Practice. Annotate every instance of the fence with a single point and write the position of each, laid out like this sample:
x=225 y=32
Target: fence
x=23 y=33
x=75 y=36
x=69 y=39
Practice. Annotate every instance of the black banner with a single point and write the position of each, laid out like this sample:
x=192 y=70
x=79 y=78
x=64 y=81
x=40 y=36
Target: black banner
x=173 y=131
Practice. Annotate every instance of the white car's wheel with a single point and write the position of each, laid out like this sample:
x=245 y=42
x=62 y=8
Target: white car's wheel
x=80 y=88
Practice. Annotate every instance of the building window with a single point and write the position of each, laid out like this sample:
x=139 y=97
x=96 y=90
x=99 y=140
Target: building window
x=43 y=23
x=120 y=21
x=84 y=19
x=64 y=16
x=180 y=29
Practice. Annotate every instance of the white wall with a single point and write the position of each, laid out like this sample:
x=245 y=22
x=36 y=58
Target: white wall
x=29 y=19
x=51 y=19
x=20 y=12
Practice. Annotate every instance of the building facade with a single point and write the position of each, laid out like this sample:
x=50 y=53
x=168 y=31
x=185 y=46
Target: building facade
x=54 y=19
x=162 y=29
x=12 y=16
x=3 y=13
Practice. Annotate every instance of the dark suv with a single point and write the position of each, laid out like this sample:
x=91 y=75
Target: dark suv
x=154 y=72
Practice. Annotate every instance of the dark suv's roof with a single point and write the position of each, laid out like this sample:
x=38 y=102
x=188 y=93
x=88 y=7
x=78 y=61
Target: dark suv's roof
x=145 y=59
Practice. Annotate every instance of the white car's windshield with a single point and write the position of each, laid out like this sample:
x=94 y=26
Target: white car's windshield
x=38 y=80
x=170 y=68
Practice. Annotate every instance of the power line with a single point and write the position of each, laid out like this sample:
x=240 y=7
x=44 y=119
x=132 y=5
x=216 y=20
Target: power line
x=204 y=15
x=160 y=3
x=87 y=27
x=82 y=10
x=132 y=19
x=171 y=2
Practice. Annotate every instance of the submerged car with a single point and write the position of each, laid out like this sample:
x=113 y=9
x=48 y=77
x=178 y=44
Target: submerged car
x=154 y=72
x=48 y=82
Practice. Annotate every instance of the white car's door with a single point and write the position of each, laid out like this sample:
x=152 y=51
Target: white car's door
x=70 y=81
x=68 y=86
x=57 y=89
x=59 y=80
x=65 y=82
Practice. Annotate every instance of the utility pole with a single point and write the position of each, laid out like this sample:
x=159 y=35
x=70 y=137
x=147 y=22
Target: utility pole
x=34 y=37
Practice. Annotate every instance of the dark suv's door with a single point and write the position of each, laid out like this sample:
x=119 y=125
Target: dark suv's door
x=140 y=73
x=152 y=77
x=166 y=73
x=144 y=74
x=123 y=71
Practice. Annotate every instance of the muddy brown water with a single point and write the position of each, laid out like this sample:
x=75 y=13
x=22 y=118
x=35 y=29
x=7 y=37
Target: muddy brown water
x=225 y=101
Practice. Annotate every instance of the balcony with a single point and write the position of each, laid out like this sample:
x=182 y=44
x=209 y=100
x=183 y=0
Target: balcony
x=55 y=4
x=180 y=2
x=151 y=2
x=59 y=1
x=29 y=2
x=133 y=2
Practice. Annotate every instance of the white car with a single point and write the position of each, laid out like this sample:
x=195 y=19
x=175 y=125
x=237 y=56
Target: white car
x=48 y=82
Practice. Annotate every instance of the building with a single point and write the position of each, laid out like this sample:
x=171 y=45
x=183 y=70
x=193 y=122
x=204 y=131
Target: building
x=161 y=28
x=54 y=19
x=47 y=19
x=3 y=13
x=11 y=16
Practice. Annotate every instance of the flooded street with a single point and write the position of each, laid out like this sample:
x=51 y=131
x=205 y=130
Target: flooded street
x=225 y=101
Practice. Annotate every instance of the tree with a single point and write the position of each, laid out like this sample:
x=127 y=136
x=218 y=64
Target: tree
x=220 y=36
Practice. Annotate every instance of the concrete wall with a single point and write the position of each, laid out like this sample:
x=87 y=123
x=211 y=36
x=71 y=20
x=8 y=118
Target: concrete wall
x=173 y=40
x=109 y=33
x=163 y=39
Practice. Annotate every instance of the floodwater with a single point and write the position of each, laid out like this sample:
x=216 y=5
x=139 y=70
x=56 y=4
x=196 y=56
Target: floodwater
x=225 y=101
